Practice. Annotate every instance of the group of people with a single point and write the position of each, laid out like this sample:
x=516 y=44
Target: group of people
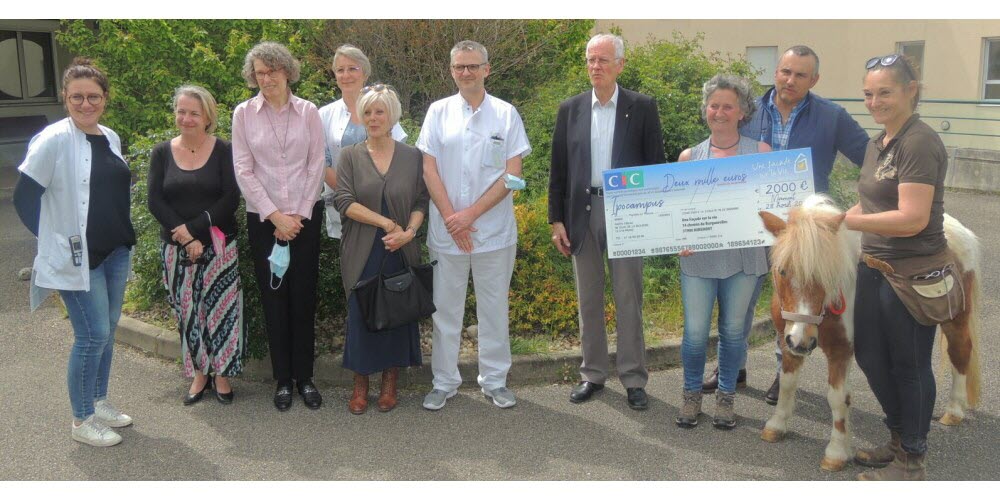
x=292 y=162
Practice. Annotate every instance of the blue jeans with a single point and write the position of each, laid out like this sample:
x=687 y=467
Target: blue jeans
x=94 y=316
x=699 y=295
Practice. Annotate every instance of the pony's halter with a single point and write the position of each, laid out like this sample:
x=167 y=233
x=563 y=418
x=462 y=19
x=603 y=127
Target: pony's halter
x=814 y=319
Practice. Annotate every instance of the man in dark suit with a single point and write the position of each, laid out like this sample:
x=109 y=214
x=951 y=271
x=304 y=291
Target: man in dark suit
x=608 y=127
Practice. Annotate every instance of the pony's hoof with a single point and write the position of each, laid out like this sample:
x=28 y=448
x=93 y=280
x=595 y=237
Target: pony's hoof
x=832 y=465
x=771 y=435
x=949 y=419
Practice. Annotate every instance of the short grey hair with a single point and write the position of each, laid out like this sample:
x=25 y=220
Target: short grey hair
x=615 y=39
x=803 y=51
x=203 y=96
x=739 y=86
x=275 y=56
x=468 y=45
x=388 y=98
x=351 y=52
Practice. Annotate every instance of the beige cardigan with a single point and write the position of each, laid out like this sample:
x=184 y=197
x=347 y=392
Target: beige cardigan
x=358 y=181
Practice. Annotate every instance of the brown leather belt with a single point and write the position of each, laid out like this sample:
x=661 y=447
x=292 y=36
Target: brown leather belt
x=877 y=264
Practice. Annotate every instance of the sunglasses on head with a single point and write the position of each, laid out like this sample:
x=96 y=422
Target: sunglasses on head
x=886 y=61
x=889 y=60
x=378 y=87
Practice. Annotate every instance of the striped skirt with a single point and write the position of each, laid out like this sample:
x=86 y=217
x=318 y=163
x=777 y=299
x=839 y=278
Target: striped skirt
x=208 y=303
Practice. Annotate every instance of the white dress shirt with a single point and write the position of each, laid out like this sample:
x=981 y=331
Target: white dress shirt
x=464 y=143
x=602 y=136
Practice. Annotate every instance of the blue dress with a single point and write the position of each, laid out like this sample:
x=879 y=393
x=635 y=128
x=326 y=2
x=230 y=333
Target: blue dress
x=368 y=352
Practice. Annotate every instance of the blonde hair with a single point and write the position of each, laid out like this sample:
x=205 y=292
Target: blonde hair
x=387 y=96
x=207 y=101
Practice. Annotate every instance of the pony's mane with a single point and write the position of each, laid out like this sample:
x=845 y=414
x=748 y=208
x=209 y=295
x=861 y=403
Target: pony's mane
x=813 y=254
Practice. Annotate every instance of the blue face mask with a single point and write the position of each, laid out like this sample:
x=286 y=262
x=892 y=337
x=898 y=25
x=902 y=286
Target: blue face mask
x=279 y=259
x=513 y=182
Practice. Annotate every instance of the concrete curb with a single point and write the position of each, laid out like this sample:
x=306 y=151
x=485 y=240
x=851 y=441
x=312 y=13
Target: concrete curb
x=526 y=369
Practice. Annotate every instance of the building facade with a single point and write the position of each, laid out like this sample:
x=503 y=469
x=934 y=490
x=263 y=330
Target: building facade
x=958 y=63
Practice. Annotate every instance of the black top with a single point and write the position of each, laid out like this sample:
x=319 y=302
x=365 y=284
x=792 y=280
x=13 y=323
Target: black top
x=109 y=225
x=200 y=198
x=28 y=201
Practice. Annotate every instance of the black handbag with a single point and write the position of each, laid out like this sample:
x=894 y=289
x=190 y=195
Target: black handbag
x=391 y=300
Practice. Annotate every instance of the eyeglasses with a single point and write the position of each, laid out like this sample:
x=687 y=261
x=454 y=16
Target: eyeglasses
x=378 y=87
x=93 y=99
x=599 y=61
x=348 y=69
x=460 y=68
x=889 y=60
x=270 y=73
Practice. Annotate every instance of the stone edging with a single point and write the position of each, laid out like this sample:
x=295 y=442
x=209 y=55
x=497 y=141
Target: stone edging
x=526 y=369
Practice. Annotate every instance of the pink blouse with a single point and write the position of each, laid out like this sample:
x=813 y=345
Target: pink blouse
x=278 y=156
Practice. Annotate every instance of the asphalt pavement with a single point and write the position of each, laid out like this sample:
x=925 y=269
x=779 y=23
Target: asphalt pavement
x=543 y=437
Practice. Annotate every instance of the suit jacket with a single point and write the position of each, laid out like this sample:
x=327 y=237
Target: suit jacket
x=637 y=141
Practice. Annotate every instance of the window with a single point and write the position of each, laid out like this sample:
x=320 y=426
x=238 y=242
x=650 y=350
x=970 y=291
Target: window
x=29 y=55
x=991 y=69
x=764 y=59
x=915 y=52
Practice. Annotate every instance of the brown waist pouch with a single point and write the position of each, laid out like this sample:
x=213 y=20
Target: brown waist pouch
x=930 y=286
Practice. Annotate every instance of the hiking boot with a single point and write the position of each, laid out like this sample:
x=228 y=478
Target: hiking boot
x=93 y=432
x=712 y=382
x=688 y=418
x=904 y=467
x=725 y=417
x=879 y=456
x=110 y=416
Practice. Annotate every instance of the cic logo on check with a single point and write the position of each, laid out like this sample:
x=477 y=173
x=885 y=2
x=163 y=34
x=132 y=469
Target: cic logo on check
x=624 y=180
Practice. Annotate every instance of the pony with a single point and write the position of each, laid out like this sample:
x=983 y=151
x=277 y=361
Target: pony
x=814 y=271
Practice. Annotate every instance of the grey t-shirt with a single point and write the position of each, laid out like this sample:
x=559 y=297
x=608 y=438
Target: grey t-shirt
x=915 y=155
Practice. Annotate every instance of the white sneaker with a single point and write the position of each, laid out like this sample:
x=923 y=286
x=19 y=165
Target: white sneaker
x=95 y=433
x=436 y=399
x=502 y=397
x=109 y=415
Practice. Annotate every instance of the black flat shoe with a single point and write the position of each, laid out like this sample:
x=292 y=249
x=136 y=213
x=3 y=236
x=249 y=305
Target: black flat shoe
x=584 y=391
x=191 y=399
x=283 y=396
x=637 y=399
x=310 y=395
x=225 y=398
x=771 y=397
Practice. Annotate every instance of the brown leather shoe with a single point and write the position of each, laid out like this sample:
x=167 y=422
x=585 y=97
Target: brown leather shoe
x=879 y=456
x=359 y=400
x=387 y=393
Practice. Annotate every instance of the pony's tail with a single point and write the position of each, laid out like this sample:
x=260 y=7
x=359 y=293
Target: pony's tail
x=973 y=372
x=973 y=379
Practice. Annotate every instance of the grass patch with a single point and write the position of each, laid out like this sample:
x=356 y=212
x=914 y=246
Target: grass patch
x=528 y=345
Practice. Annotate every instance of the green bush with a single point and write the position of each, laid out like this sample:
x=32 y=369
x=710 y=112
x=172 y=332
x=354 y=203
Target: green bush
x=147 y=59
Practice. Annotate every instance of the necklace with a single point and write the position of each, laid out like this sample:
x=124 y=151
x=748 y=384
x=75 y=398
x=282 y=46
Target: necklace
x=710 y=143
x=281 y=143
x=195 y=149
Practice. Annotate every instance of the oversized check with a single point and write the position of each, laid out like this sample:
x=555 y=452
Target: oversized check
x=702 y=205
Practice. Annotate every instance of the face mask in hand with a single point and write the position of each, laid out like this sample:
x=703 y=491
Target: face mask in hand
x=280 y=258
x=513 y=182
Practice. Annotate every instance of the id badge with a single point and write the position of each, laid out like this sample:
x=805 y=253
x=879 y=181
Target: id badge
x=495 y=153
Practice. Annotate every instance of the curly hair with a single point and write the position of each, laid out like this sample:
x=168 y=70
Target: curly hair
x=275 y=56
x=738 y=85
